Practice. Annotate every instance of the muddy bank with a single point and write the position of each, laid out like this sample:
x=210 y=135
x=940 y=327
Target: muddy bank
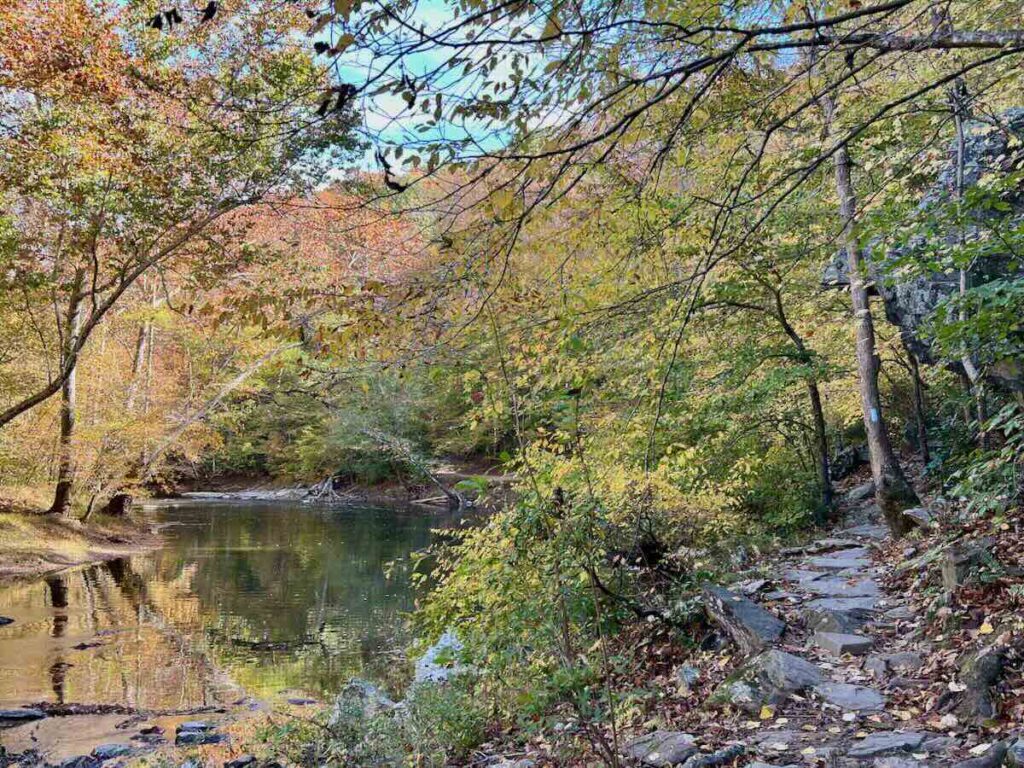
x=33 y=544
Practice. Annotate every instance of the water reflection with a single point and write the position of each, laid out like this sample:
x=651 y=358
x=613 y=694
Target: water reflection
x=264 y=599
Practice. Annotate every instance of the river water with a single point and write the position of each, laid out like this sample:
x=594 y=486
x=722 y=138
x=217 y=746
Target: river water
x=268 y=601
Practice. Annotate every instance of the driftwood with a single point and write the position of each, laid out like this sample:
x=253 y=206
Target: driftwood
x=71 y=710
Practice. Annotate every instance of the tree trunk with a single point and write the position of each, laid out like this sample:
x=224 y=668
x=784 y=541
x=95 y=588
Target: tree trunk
x=821 y=445
x=919 y=409
x=68 y=402
x=892 y=490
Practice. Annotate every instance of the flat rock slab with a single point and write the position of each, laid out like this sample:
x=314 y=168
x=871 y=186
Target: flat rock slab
x=661 y=748
x=833 y=563
x=839 y=643
x=853 y=698
x=110 y=751
x=902 y=663
x=750 y=626
x=868 y=531
x=836 y=587
x=843 y=604
x=802 y=576
x=845 y=620
x=887 y=743
x=13 y=716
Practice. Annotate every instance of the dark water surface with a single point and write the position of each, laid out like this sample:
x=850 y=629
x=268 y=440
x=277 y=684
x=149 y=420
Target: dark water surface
x=272 y=600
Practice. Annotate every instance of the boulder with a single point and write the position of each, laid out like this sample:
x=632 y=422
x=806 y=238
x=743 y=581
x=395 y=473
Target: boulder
x=686 y=678
x=769 y=678
x=980 y=671
x=853 y=698
x=960 y=559
x=441 y=661
x=749 y=625
x=838 y=643
x=911 y=296
x=992 y=758
x=723 y=756
x=110 y=751
x=919 y=517
x=661 y=748
x=861 y=492
x=1015 y=754
x=886 y=743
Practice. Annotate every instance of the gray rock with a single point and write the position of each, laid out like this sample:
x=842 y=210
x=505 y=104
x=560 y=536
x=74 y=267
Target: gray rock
x=14 y=716
x=838 y=643
x=687 y=677
x=869 y=531
x=869 y=604
x=110 y=751
x=886 y=743
x=766 y=679
x=899 y=613
x=903 y=662
x=195 y=725
x=920 y=517
x=1015 y=754
x=861 y=492
x=960 y=560
x=780 y=594
x=719 y=757
x=980 y=671
x=836 y=620
x=661 y=748
x=993 y=758
x=196 y=738
x=911 y=296
x=897 y=762
x=837 y=587
x=853 y=698
x=759 y=764
x=750 y=626
x=82 y=761
x=802 y=576
x=441 y=661
x=4 y=621
x=834 y=563
x=301 y=701
x=242 y=761
x=751 y=586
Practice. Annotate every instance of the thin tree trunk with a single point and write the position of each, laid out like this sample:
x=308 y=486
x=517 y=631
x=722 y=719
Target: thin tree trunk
x=821 y=445
x=68 y=403
x=892 y=490
x=919 y=405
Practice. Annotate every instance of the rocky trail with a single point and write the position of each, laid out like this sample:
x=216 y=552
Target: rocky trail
x=835 y=666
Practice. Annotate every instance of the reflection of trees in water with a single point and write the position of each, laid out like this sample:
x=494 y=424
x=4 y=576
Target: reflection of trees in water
x=298 y=596
x=278 y=597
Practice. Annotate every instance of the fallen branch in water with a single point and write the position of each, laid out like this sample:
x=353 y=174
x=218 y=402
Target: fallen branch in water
x=71 y=710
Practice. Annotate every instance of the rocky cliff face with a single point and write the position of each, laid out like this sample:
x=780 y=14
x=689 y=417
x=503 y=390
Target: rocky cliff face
x=911 y=296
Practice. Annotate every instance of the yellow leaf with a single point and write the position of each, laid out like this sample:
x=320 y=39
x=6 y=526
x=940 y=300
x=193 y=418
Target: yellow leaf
x=767 y=713
x=986 y=629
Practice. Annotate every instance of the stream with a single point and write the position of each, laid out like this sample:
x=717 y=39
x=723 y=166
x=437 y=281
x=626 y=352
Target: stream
x=245 y=604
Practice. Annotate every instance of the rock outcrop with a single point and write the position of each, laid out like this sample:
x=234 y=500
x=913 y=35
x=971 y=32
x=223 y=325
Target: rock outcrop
x=911 y=297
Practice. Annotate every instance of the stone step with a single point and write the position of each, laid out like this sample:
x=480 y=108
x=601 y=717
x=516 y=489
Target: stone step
x=839 y=644
x=837 y=587
x=853 y=698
